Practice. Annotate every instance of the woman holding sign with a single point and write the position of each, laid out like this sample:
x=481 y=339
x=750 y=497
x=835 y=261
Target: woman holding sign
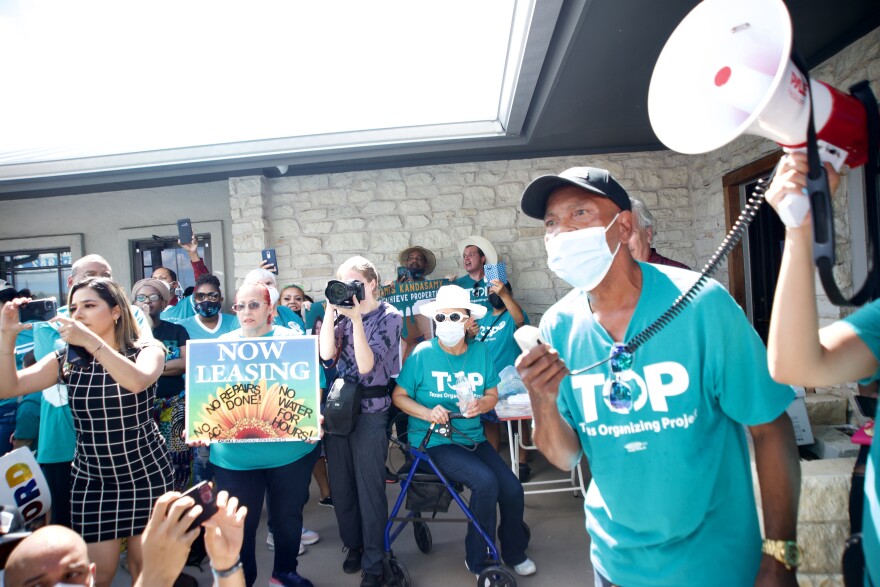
x=279 y=470
x=121 y=466
x=365 y=345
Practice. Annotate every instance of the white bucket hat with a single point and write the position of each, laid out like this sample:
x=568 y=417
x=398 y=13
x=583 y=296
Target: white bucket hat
x=482 y=244
x=452 y=296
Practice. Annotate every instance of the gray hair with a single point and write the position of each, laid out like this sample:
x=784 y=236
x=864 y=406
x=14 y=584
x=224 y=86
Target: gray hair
x=643 y=216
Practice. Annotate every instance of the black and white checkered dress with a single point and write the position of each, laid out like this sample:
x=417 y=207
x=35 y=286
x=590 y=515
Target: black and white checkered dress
x=121 y=465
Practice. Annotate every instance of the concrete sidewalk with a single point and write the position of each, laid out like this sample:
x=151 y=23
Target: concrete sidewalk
x=559 y=545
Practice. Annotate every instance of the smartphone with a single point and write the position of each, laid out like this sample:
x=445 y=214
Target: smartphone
x=184 y=231
x=203 y=494
x=268 y=255
x=77 y=355
x=38 y=310
x=496 y=271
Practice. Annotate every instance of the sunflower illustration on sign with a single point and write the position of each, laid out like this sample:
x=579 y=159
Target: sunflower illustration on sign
x=252 y=390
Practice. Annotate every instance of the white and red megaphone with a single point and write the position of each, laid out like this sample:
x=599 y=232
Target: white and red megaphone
x=726 y=71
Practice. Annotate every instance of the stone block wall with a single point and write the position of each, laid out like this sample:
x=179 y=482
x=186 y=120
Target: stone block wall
x=317 y=222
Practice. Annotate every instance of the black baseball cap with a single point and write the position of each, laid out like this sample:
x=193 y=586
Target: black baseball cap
x=593 y=179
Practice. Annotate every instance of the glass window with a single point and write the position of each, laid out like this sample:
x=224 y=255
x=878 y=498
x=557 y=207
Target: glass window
x=165 y=252
x=44 y=273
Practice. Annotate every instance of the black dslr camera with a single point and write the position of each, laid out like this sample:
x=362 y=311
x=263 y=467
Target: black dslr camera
x=339 y=293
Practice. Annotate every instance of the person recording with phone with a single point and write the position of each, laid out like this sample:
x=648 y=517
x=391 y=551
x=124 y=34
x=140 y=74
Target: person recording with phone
x=364 y=345
x=170 y=533
x=176 y=311
x=451 y=374
x=56 y=424
x=110 y=369
x=800 y=352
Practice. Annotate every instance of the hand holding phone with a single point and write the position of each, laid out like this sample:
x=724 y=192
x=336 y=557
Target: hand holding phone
x=269 y=257
x=203 y=494
x=184 y=231
x=41 y=310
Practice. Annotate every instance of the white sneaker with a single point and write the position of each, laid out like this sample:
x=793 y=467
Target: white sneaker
x=302 y=549
x=270 y=541
x=309 y=537
x=525 y=568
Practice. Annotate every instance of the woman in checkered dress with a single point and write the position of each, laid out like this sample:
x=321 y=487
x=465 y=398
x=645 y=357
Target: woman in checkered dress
x=121 y=464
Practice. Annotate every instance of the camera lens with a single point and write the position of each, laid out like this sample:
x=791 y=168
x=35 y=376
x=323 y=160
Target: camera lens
x=337 y=293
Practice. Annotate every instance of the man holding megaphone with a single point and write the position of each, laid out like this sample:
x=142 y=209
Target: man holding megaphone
x=671 y=502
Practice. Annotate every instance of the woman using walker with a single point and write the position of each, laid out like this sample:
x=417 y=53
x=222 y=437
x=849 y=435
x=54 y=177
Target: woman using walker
x=366 y=340
x=448 y=374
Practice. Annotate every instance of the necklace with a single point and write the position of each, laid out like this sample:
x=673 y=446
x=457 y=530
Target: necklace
x=464 y=365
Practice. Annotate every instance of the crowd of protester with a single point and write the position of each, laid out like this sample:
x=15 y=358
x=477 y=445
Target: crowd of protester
x=107 y=378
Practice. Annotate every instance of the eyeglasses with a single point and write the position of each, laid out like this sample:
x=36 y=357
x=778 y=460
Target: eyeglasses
x=213 y=296
x=145 y=297
x=619 y=393
x=453 y=317
x=251 y=305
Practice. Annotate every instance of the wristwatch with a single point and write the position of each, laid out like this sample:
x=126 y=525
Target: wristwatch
x=788 y=552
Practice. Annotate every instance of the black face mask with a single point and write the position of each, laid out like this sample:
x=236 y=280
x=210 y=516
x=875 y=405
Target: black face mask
x=207 y=308
x=496 y=301
x=415 y=273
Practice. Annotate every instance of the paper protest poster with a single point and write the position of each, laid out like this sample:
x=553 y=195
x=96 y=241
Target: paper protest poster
x=252 y=389
x=405 y=296
x=23 y=484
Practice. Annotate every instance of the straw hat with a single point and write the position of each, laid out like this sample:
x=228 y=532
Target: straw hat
x=429 y=257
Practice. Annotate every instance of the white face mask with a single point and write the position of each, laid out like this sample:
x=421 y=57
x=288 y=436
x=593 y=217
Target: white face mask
x=581 y=257
x=450 y=333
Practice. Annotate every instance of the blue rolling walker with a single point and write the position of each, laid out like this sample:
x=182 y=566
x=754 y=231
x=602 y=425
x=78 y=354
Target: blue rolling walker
x=433 y=492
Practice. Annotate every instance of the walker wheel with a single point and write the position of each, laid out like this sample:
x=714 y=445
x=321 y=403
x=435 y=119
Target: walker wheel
x=496 y=577
x=399 y=575
x=422 y=534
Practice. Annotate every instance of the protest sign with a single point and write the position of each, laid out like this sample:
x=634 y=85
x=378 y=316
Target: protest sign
x=252 y=389
x=407 y=295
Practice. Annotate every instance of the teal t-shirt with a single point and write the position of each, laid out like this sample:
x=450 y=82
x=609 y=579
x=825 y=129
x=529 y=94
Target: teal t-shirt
x=287 y=318
x=179 y=311
x=498 y=335
x=57 y=435
x=671 y=502
x=428 y=376
x=197 y=330
x=27 y=419
x=866 y=324
x=245 y=456
x=24 y=343
x=479 y=291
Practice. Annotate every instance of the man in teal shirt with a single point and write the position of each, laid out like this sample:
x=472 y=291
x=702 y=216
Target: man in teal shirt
x=476 y=252
x=671 y=501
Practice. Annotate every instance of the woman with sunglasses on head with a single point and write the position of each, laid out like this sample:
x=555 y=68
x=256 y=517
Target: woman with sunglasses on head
x=365 y=344
x=437 y=374
x=121 y=465
x=279 y=471
x=284 y=316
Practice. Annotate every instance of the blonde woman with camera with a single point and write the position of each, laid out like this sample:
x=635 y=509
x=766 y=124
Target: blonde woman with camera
x=364 y=345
